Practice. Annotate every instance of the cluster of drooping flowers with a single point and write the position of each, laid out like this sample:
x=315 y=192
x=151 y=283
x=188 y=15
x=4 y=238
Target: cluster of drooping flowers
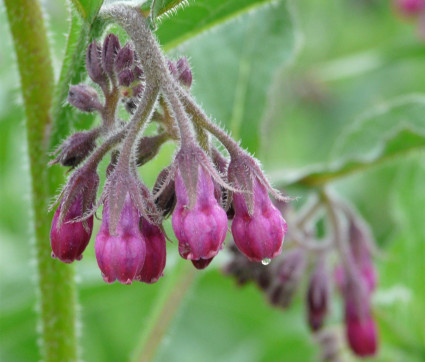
x=202 y=188
x=412 y=10
x=306 y=257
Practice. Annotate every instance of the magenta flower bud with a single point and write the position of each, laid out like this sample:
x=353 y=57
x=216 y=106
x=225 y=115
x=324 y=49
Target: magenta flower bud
x=318 y=297
x=94 y=65
x=360 y=327
x=409 y=8
x=124 y=59
x=184 y=72
x=260 y=235
x=84 y=97
x=70 y=239
x=200 y=229
x=75 y=148
x=156 y=252
x=110 y=49
x=121 y=256
x=288 y=273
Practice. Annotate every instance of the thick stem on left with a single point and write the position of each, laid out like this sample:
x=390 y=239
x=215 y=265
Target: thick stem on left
x=55 y=280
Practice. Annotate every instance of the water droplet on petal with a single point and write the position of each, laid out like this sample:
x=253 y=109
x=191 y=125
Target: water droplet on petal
x=266 y=261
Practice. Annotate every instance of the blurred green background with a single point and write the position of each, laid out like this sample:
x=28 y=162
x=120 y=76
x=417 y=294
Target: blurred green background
x=289 y=82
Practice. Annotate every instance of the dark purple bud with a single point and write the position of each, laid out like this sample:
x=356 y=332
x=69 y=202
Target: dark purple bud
x=70 y=239
x=201 y=228
x=121 y=255
x=167 y=199
x=288 y=273
x=110 y=49
x=126 y=77
x=244 y=270
x=184 y=72
x=76 y=148
x=156 y=251
x=84 y=97
x=259 y=235
x=148 y=147
x=125 y=58
x=230 y=212
x=94 y=65
x=318 y=295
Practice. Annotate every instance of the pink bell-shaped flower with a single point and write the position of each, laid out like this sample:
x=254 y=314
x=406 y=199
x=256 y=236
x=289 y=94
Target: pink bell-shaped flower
x=121 y=255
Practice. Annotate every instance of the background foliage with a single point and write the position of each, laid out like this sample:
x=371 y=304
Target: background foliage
x=324 y=87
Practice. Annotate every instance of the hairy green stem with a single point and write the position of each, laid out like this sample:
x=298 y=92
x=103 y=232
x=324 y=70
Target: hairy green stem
x=56 y=282
x=166 y=306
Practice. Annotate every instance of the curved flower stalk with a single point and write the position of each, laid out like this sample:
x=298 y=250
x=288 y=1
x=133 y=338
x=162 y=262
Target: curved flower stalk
x=193 y=188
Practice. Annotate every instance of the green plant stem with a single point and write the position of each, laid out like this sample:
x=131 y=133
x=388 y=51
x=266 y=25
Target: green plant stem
x=55 y=280
x=166 y=305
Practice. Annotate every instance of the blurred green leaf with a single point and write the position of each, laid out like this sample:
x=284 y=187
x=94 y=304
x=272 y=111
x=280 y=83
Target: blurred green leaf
x=161 y=7
x=233 y=81
x=221 y=322
x=400 y=298
x=388 y=131
x=87 y=9
x=200 y=16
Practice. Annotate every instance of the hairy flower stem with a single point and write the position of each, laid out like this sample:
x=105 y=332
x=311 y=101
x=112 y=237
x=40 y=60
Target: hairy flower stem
x=55 y=280
x=140 y=118
x=110 y=108
x=200 y=118
x=166 y=304
x=339 y=239
x=153 y=61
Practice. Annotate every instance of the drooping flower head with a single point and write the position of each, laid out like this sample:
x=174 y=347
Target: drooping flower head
x=121 y=254
x=71 y=231
x=360 y=326
x=156 y=252
x=200 y=224
x=258 y=227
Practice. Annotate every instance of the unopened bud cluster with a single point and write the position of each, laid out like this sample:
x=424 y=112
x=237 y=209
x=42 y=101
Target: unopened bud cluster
x=309 y=264
x=201 y=188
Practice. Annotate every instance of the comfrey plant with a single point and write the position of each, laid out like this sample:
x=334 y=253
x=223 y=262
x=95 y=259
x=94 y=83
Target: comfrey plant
x=197 y=188
x=354 y=274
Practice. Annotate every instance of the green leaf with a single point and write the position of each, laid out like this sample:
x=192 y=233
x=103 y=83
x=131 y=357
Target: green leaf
x=88 y=9
x=235 y=64
x=160 y=7
x=200 y=16
x=402 y=281
x=386 y=132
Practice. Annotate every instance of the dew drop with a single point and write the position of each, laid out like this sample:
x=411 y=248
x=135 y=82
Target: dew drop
x=266 y=261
